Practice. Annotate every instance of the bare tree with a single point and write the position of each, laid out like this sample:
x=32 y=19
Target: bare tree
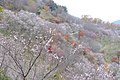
x=16 y=56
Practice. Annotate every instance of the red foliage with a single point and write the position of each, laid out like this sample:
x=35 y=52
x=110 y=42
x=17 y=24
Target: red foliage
x=73 y=43
x=81 y=34
x=50 y=50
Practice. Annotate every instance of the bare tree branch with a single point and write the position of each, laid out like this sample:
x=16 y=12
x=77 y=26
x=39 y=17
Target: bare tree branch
x=50 y=71
x=2 y=60
x=36 y=58
x=12 y=69
x=33 y=63
x=34 y=73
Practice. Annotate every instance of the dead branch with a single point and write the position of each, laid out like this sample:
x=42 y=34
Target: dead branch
x=50 y=71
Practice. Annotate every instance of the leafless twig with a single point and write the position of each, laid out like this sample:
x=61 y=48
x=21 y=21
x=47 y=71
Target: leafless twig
x=50 y=71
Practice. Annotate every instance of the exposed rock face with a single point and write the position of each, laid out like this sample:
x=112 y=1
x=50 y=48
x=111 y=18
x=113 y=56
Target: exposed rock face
x=62 y=49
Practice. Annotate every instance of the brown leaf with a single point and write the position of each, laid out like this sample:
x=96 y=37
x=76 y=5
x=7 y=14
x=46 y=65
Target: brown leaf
x=81 y=34
x=115 y=59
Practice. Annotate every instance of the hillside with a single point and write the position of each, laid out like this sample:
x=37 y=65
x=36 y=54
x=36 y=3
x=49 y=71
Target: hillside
x=47 y=43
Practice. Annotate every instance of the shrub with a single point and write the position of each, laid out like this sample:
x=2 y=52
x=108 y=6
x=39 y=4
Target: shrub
x=109 y=47
x=53 y=6
x=81 y=34
x=115 y=59
x=1 y=9
x=3 y=76
x=65 y=9
x=58 y=76
x=118 y=53
x=5 y=32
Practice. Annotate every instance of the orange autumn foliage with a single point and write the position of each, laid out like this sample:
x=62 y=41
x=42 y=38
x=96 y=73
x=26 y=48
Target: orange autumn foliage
x=66 y=37
x=73 y=43
x=115 y=59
